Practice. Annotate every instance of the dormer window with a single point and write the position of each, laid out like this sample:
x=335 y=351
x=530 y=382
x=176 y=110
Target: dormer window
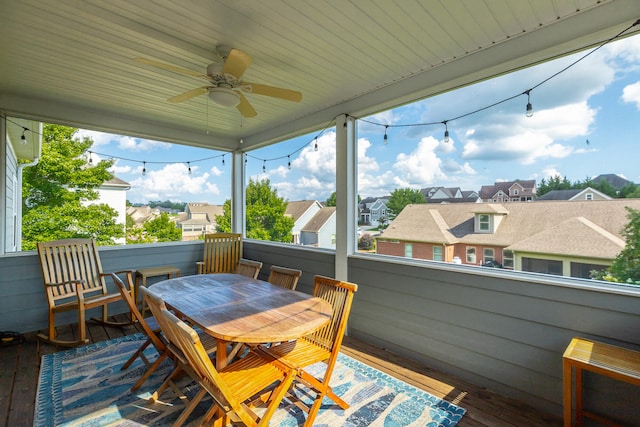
x=483 y=223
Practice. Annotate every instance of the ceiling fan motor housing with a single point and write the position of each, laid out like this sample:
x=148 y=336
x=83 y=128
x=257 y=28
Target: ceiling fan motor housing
x=224 y=97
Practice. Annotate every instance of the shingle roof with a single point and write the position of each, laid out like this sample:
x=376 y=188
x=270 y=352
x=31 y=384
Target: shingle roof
x=319 y=219
x=297 y=208
x=551 y=227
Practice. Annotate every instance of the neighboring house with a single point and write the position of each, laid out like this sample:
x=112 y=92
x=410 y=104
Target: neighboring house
x=449 y=195
x=509 y=191
x=372 y=210
x=142 y=214
x=301 y=211
x=198 y=220
x=568 y=238
x=320 y=231
x=114 y=194
x=578 y=194
x=17 y=148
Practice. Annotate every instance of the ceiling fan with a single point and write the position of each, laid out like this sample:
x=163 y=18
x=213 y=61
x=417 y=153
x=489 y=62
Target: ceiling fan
x=225 y=86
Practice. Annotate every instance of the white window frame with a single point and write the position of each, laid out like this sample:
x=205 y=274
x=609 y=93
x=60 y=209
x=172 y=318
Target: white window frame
x=471 y=254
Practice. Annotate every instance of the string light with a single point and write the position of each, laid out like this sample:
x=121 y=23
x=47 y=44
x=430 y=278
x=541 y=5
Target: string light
x=529 y=106
x=289 y=162
x=144 y=168
x=446 y=132
x=386 y=137
x=264 y=166
x=189 y=168
x=223 y=160
x=315 y=146
x=90 y=158
x=23 y=138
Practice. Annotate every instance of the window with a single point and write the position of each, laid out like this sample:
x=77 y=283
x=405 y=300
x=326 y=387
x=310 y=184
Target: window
x=488 y=254
x=408 y=250
x=588 y=196
x=484 y=222
x=471 y=255
x=516 y=192
x=508 y=259
x=546 y=266
x=437 y=253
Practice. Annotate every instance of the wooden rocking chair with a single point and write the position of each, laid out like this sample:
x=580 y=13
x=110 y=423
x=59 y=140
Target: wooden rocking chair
x=74 y=280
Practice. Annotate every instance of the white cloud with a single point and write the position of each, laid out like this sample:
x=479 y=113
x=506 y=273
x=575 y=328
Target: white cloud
x=420 y=167
x=172 y=182
x=631 y=94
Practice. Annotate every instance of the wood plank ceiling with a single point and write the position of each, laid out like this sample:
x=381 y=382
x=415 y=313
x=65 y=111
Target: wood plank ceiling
x=72 y=61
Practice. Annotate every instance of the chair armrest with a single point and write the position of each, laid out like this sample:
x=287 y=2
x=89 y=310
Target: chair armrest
x=114 y=276
x=67 y=282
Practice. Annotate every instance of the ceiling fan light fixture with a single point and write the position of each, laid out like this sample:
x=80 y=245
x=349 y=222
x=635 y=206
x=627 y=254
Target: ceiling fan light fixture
x=224 y=97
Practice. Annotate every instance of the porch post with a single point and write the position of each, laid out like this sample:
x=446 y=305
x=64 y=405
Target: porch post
x=238 y=194
x=3 y=182
x=346 y=193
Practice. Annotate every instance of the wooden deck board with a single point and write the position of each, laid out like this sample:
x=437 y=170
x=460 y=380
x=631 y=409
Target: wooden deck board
x=21 y=364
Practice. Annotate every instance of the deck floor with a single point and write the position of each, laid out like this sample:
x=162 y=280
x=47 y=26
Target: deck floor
x=20 y=364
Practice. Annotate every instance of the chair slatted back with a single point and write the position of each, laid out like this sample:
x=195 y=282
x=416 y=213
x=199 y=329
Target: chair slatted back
x=70 y=260
x=222 y=251
x=340 y=295
x=249 y=268
x=156 y=305
x=284 y=277
x=188 y=341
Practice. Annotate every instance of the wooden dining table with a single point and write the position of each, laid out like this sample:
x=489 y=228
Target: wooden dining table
x=238 y=309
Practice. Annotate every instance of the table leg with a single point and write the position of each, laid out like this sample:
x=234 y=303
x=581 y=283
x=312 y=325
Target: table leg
x=567 y=392
x=578 y=396
x=221 y=354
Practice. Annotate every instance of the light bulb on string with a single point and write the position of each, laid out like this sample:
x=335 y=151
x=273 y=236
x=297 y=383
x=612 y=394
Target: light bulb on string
x=23 y=138
x=264 y=166
x=289 y=162
x=144 y=168
x=315 y=146
x=90 y=158
x=223 y=160
x=446 y=132
x=529 y=106
x=189 y=167
x=386 y=137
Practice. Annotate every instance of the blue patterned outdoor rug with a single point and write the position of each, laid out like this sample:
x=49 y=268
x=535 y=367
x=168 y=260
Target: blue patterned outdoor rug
x=84 y=386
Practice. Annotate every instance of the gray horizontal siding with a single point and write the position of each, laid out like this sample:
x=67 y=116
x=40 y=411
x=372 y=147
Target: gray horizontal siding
x=497 y=329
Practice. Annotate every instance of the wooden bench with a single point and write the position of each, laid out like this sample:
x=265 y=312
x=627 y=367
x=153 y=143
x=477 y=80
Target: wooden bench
x=611 y=361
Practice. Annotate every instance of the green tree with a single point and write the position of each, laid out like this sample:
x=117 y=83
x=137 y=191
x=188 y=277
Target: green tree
x=626 y=265
x=55 y=193
x=265 y=214
x=554 y=183
x=402 y=197
x=162 y=229
x=331 y=201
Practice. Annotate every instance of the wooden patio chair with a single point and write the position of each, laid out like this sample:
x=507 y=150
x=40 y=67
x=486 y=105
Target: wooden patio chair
x=320 y=346
x=222 y=251
x=249 y=268
x=151 y=329
x=284 y=277
x=181 y=365
x=74 y=280
x=235 y=388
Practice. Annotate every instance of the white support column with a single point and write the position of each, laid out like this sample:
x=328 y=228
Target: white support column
x=346 y=193
x=238 y=194
x=3 y=183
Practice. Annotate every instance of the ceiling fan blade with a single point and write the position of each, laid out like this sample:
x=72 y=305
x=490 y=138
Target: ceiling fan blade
x=170 y=67
x=245 y=107
x=236 y=64
x=190 y=94
x=276 y=92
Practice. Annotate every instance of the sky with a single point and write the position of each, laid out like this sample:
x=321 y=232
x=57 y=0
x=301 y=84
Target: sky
x=586 y=122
